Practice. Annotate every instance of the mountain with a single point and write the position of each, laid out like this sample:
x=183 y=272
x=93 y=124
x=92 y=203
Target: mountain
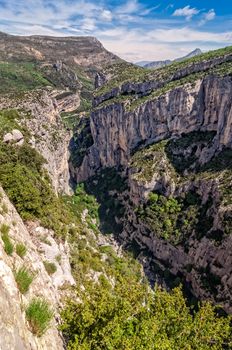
x=159 y=64
x=113 y=179
x=77 y=51
x=142 y=63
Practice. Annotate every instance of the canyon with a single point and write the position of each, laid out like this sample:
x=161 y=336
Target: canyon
x=116 y=158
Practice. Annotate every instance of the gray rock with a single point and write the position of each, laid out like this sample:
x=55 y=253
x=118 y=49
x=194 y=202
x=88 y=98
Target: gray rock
x=8 y=137
x=17 y=135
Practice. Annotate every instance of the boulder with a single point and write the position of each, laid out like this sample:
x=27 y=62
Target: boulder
x=17 y=135
x=8 y=137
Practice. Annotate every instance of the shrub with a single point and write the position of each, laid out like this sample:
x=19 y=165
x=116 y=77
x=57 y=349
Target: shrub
x=21 y=249
x=50 y=267
x=5 y=229
x=8 y=246
x=23 y=278
x=39 y=315
x=4 y=208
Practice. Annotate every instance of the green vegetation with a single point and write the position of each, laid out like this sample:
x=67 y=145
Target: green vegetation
x=21 y=249
x=20 y=77
x=8 y=245
x=50 y=267
x=23 y=278
x=4 y=209
x=39 y=315
x=11 y=119
x=134 y=318
x=149 y=160
x=175 y=219
x=27 y=184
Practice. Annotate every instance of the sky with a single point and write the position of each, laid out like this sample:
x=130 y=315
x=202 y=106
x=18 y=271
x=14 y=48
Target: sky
x=136 y=30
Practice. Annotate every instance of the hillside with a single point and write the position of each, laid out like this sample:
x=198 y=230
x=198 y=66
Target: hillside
x=115 y=213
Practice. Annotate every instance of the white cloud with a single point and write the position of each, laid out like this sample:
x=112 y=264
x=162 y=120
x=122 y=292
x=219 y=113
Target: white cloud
x=107 y=15
x=208 y=16
x=131 y=6
x=88 y=24
x=187 y=12
x=189 y=35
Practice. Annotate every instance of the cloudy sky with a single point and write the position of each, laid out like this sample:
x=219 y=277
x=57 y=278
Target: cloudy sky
x=135 y=29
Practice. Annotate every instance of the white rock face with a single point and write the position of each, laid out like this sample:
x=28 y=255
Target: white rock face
x=205 y=105
x=48 y=134
x=15 y=332
x=15 y=136
x=8 y=137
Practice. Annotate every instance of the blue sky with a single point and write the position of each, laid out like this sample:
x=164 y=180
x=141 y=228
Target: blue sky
x=134 y=29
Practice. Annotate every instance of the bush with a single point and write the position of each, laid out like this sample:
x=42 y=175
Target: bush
x=8 y=246
x=21 y=249
x=28 y=186
x=23 y=278
x=39 y=315
x=50 y=267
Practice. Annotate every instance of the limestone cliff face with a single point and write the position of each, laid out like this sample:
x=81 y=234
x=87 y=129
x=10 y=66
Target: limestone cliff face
x=116 y=132
x=14 y=329
x=47 y=132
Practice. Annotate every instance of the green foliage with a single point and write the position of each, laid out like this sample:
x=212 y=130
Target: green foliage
x=23 y=278
x=39 y=315
x=21 y=249
x=149 y=160
x=161 y=214
x=28 y=186
x=175 y=219
x=130 y=317
x=9 y=120
x=8 y=245
x=4 y=209
x=50 y=267
x=20 y=77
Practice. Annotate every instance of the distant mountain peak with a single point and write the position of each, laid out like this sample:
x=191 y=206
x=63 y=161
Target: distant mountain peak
x=159 y=64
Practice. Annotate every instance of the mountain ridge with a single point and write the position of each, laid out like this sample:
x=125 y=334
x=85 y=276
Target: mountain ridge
x=163 y=63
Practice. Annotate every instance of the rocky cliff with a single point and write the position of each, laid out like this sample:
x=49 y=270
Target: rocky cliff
x=171 y=136
x=48 y=135
x=40 y=246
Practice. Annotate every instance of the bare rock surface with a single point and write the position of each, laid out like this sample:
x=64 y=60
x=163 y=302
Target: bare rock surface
x=14 y=329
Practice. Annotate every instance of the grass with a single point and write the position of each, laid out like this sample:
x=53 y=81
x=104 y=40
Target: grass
x=50 y=267
x=21 y=249
x=39 y=315
x=20 y=77
x=23 y=278
x=8 y=245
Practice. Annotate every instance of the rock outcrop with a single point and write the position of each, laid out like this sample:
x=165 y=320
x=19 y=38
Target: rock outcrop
x=205 y=106
x=14 y=329
x=41 y=115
